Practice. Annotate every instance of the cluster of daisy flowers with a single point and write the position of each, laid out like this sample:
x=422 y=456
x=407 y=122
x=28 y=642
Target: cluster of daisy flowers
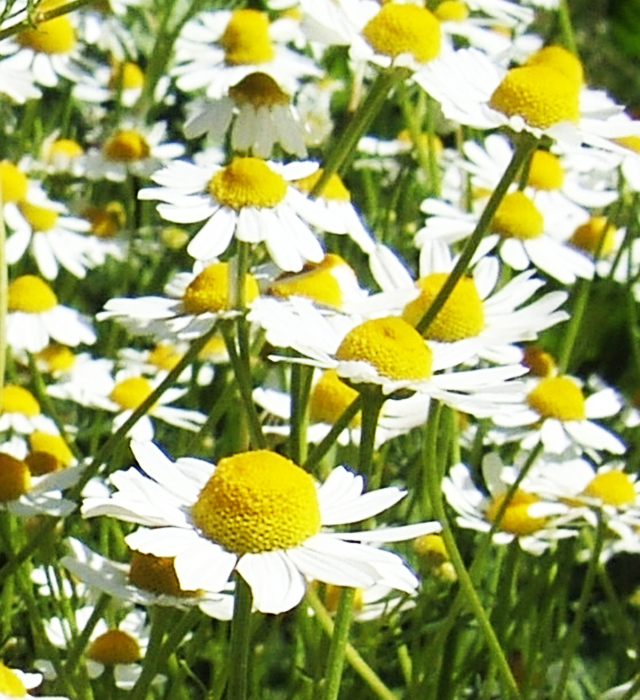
x=294 y=301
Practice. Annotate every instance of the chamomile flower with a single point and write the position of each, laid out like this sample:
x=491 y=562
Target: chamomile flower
x=20 y=411
x=522 y=234
x=17 y=80
x=262 y=116
x=259 y=514
x=249 y=198
x=527 y=518
x=159 y=360
x=194 y=302
x=146 y=580
x=386 y=351
x=218 y=49
x=55 y=238
x=555 y=411
x=15 y=684
x=122 y=82
x=36 y=318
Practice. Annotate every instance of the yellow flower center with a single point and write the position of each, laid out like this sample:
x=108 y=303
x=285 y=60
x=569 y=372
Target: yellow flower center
x=63 y=148
x=17 y=399
x=404 y=28
x=516 y=518
x=258 y=502
x=597 y=233
x=209 y=291
x=432 y=548
x=316 y=282
x=558 y=397
x=247 y=182
x=452 y=11
x=539 y=362
x=57 y=358
x=461 y=316
x=540 y=94
x=332 y=189
x=329 y=398
x=131 y=392
x=259 y=90
x=15 y=477
x=39 y=218
x=30 y=295
x=630 y=142
x=10 y=684
x=51 y=445
x=12 y=181
x=114 y=647
x=560 y=59
x=332 y=598
x=156 y=574
x=214 y=350
x=246 y=40
x=105 y=221
x=391 y=345
x=126 y=146
x=54 y=36
x=613 y=487
x=545 y=171
x=127 y=76
x=164 y=356
x=517 y=217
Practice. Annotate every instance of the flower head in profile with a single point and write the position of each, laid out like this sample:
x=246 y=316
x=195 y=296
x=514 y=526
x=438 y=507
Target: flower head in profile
x=261 y=515
x=16 y=684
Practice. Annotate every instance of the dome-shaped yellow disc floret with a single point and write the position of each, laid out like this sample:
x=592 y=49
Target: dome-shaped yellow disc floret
x=597 y=233
x=15 y=477
x=114 y=647
x=257 y=502
x=558 y=397
x=17 y=399
x=31 y=295
x=126 y=146
x=516 y=518
x=131 y=392
x=612 y=487
x=55 y=36
x=517 y=217
x=259 y=90
x=329 y=398
x=13 y=182
x=10 y=685
x=545 y=171
x=208 y=292
x=334 y=188
x=156 y=574
x=246 y=40
x=247 y=182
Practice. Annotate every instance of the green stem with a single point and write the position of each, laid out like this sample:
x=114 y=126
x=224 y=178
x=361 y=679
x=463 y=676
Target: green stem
x=81 y=641
x=337 y=649
x=240 y=646
x=466 y=584
x=301 y=379
x=520 y=155
x=359 y=123
x=573 y=636
x=43 y=16
x=354 y=659
x=330 y=438
x=566 y=28
x=4 y=284
x=372 y=401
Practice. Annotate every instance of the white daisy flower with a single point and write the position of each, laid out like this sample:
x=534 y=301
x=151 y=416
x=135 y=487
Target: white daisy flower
x=218 y=49
x=16 y=80
x=386 y=351
x=146 y=580
x=555 y=412
x=528 y=518
x=35 y=317
x=20 y=412
x=194 y=302
x=261 y=515
x=250 y=199
x=161 y=359
x=54 y=237
x=121 y=82
x=15 y=684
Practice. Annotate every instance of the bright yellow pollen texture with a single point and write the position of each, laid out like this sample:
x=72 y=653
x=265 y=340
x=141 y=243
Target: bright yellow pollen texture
x=126 y=146
x=329 y=398
x=13 y=182
x=614 y=488
x=155 y=574
x=128 y=76
x=114 y=647
x=404 y=28
x=561 y=59
x=164 y=356
x=596 y=234
x=247 y=182
x=131 y=392
x=16 y=399
x=10 y=685
x=246 y=40
x=462 y=315
x=209 y=291
x=55 y=36
x=258 y=502
x=516 y=518
x=67 y=148
x=15 y=478
x=391 y=345
x=53 y=445
x=39 y=218
x=539 y=362
x=517 y=217
x=315 y=282
x=452 y=11
x=558 y=397
x=545 y=171
x=259 y=90
x=333 y=188
x=105 y=221
x=539 y=94
x=30 y=295
x=432 y=548
x=56 y=358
